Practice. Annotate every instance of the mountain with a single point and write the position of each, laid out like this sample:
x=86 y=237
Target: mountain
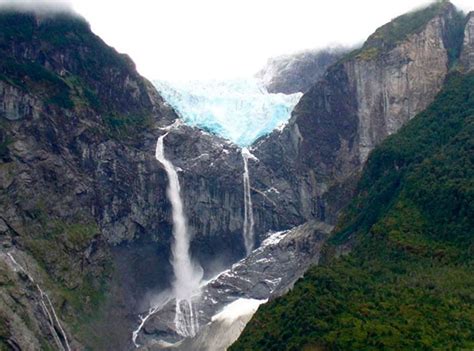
x=86 y=226
x=366 y=96
x=289 y=74
x=76 y=175
x=406 y=283
x=396 y=271
x=82 y=198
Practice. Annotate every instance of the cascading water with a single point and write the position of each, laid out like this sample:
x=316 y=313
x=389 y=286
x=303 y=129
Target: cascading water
x=248 y=232
x=187 y=274
x=55 y=326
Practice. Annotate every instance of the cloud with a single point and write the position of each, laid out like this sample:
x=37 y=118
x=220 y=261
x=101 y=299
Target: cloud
x=38 y=7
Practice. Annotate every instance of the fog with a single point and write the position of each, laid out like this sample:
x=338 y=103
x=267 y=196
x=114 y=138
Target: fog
x=213 y=39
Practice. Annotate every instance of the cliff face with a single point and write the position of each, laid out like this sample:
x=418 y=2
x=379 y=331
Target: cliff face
x=77 y=172
x=362 y=99
x=295 y=73
x=467 y=54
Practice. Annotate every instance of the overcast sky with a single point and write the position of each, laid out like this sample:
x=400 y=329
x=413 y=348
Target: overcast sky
x=203 y=39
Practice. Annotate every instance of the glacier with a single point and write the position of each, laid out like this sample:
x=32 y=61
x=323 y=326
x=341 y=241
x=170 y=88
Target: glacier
x=239 y=110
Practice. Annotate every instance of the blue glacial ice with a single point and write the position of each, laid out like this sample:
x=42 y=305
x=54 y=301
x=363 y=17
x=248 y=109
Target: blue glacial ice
x=239 y=110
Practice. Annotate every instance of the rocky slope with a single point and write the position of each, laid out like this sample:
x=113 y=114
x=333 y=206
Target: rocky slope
x=76 y=177
x=363 y=98
x=289 y=74
x=267 y=272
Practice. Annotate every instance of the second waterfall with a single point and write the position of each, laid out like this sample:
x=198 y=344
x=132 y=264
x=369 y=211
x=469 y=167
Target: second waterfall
x=248 y=231
x=187 y=273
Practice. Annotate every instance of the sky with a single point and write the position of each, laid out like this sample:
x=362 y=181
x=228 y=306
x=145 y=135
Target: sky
x=222 y=39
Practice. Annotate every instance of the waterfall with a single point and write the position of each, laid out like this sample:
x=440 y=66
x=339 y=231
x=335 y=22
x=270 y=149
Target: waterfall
x=248 y=232
x=47 y=307
x=187 y=274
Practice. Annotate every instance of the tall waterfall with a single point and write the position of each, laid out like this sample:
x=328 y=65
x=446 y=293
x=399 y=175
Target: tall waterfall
x=187 y=274
x=248 y=232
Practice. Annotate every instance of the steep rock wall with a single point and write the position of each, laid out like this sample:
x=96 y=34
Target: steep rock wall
x=362 y=99
x=467 y=54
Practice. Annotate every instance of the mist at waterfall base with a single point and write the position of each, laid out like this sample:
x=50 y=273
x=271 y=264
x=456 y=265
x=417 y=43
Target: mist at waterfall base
x=239 y=110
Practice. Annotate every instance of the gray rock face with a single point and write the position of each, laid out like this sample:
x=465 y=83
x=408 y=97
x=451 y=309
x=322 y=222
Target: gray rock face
x=393 y=90
x=211 y=176
x=16 y=104
x=360 y=101
x=298 y=72
x=467 y=54
x=267 y=272
x=36 y=324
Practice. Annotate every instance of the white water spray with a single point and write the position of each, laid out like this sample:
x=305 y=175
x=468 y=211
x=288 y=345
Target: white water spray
x=187 y=274
x=55 y=326
x=162 y=300
x=248 y=232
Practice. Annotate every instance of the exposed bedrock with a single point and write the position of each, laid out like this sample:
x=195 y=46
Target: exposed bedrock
x=361 y=100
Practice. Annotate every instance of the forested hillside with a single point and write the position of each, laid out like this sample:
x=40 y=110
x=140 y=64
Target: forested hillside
x=408 y=282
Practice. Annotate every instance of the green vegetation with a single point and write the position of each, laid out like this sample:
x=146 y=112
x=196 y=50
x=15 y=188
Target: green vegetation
x=59 y=247
x=75 y=235
x=79 y=65
x=35 y=79
x=4 y=147
x=408 y=283
x=123 y=126
x=15 y=26
x=399 y=28
x=77 y=80
x=388 y=36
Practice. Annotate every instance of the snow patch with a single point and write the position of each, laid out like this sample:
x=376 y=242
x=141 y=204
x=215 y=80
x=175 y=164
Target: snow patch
x=272 y=190
x=239 y=308
x=274 y=238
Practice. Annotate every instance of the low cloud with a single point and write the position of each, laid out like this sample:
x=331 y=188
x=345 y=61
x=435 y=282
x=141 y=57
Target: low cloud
x=38 y=7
